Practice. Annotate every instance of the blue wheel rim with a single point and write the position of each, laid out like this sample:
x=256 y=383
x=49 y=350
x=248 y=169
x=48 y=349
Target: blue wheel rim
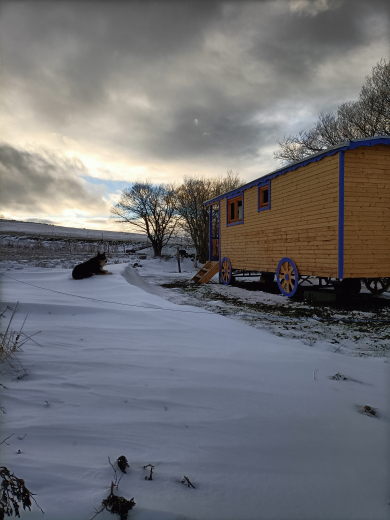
x=287 y=277
x=226 y=271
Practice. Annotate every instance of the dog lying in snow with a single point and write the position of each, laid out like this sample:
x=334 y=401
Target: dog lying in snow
x=90 y=267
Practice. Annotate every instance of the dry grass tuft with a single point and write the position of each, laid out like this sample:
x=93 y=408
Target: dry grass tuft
x=12 y=341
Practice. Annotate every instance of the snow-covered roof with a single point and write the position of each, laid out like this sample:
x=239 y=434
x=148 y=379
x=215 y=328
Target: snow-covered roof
x=346 y=145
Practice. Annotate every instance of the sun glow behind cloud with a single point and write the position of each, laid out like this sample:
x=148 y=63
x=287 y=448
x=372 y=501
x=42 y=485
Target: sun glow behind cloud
x=106 y=94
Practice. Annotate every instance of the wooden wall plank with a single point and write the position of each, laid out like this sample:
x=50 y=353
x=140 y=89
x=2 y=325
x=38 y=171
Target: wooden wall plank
x=367 y=212
x=302 y=223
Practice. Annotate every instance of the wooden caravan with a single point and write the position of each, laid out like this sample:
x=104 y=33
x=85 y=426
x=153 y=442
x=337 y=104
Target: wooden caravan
x=327 y=216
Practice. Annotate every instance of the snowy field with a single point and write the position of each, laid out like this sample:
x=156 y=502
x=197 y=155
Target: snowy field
x=358 y=326
x=230 y=387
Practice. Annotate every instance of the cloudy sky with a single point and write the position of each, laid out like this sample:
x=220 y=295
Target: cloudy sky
x=95 y=95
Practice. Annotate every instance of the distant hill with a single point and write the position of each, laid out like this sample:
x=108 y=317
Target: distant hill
x=15 y=227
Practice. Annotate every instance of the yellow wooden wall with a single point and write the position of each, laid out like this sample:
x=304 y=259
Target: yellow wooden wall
x=367 y=212
x=301 y=224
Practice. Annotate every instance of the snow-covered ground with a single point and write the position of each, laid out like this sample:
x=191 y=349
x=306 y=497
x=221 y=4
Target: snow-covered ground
x=136 y=364
x=358 y=327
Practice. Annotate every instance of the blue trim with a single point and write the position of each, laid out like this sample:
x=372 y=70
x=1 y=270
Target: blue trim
x=286 y=259
x=227 y=204
x=341 y=217
x=355 y=143
x=268 y=183
x=348 y=145
x=211 y=233
x=230 y=275
x=219 y=239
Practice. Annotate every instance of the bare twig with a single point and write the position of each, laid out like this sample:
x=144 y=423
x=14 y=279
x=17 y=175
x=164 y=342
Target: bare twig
x=151 y=471
x=30 y=338
x=98 y=512
x=6 y=439
x=24 y=374
x=116 y=480
x=187 y=481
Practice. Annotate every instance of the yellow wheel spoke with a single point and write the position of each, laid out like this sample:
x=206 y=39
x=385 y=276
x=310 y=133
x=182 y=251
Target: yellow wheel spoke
x=225 y=271
x=287 y=277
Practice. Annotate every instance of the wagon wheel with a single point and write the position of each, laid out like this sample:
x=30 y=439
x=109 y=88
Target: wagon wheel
x=377 y=285
x=226 y=271
x=287 y=277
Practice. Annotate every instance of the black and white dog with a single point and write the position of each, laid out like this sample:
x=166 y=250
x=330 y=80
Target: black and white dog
x=90 y=267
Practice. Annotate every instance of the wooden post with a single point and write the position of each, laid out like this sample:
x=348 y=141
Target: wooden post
x=178 y=258
x=196 y=261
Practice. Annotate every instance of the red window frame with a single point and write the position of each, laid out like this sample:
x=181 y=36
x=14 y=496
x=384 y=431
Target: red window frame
x=234 y=202
x=262 y=190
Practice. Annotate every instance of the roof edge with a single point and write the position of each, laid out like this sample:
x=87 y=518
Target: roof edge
x=346 y=145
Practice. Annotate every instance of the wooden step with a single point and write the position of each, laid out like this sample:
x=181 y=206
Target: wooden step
x=205 y=274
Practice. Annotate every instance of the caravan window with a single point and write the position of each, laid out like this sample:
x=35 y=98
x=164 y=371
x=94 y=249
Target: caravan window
x=234 y=210
x=264 y=197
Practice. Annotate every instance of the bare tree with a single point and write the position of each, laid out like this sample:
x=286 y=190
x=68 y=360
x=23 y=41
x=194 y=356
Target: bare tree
x=150 y=208
x=367 y=117
x=190 y=196
x=226 y=183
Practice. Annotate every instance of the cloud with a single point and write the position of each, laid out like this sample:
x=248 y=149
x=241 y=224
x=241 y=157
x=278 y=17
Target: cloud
x=145 y=87
x=45 y=183
x=100 y=221
x=313 y=7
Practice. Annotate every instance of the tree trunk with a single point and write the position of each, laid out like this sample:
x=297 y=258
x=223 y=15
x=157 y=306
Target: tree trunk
x=157 y=247
x=203 y=253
